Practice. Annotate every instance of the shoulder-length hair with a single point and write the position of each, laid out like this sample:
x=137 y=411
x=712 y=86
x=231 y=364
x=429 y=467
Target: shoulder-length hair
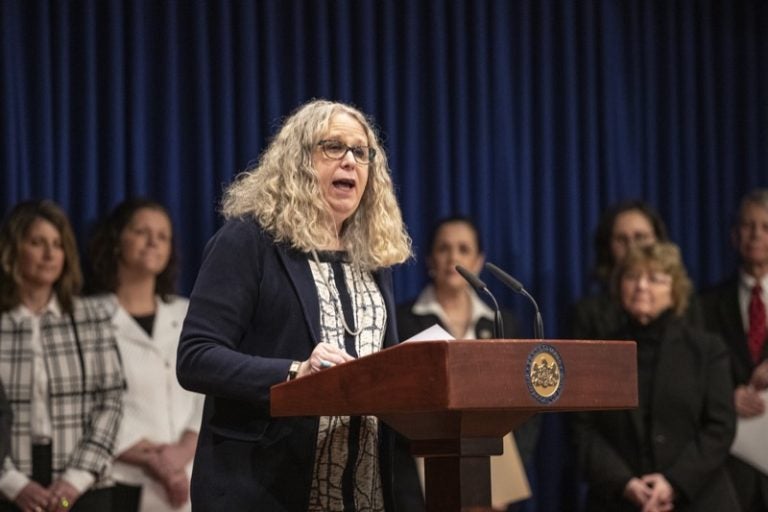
x=660 y=256
x=604 y=262
x=104 y=249
x=283 y=195
x=12 y=233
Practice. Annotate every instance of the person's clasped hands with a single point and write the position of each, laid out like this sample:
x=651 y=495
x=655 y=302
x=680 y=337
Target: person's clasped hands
x=651 y=493
x=166 y=465
x=59 y=497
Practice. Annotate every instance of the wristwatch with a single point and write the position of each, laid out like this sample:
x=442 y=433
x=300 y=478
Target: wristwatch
x=293 y=371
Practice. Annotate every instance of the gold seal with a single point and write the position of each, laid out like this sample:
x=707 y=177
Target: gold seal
x=545 y=374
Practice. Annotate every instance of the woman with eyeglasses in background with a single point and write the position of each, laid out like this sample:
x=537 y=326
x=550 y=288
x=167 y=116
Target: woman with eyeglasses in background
x=670 y=452
x=625 y=225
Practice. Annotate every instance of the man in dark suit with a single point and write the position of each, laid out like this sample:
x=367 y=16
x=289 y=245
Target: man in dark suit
x=736 y=309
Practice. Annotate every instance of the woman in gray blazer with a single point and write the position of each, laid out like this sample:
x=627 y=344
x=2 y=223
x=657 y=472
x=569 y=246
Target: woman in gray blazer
x=60 y=368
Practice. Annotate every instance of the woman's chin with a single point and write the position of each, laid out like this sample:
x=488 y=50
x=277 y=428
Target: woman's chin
x=643 y=318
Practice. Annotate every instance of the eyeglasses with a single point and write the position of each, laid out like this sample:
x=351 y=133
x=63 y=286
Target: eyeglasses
x=639 y=238
x=655 y=278
x=336 y=150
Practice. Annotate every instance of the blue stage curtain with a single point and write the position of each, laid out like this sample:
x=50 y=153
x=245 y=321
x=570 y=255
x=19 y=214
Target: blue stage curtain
x=532 y=116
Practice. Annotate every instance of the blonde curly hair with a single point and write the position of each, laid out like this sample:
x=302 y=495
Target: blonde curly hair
x=282 y=193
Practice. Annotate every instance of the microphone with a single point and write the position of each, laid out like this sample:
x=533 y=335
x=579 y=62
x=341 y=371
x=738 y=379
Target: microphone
x=517 y=287
x=481 y=287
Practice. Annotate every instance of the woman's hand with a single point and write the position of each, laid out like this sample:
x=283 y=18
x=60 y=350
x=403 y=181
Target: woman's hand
x=33 y=498
x=176 y=485
x=636 y=491
x=324 y=356
x=140 y=453
x=175 y=455
x=748 y=402
x=164 y=466
x=662 y=493
x=63 y=496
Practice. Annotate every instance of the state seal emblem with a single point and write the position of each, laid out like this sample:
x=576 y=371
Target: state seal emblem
x=545 y=373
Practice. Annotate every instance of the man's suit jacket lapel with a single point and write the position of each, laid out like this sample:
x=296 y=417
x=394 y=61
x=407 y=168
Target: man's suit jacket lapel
x=730 y=314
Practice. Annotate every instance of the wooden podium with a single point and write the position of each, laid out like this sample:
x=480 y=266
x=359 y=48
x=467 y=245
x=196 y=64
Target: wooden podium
x=455 y=400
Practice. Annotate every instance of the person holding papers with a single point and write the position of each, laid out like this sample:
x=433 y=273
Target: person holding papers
x=670 y=452
x=449 y=301
x=297 y=280
x=736 y=309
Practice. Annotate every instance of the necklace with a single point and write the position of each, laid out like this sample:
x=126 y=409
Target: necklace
x=340 y=314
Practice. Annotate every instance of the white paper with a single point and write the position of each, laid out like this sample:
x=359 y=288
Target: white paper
x=751 y=434
x=431 y=334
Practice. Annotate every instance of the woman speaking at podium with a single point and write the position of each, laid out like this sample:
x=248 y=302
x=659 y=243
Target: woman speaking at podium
x=296 y=280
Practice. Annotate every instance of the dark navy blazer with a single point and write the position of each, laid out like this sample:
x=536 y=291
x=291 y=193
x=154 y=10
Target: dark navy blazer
x=254 y=310
x=692 y=424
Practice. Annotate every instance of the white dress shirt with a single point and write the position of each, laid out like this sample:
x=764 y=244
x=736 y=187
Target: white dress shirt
x=427 y=304
x=746 y=283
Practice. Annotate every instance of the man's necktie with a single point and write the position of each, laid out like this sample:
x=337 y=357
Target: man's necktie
x=757 y=324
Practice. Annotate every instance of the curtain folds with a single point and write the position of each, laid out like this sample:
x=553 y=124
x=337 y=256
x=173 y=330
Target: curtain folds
x=531 y=116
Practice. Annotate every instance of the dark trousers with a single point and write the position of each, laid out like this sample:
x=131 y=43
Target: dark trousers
x=751 y=485
x=126 y=498
x=97 y=500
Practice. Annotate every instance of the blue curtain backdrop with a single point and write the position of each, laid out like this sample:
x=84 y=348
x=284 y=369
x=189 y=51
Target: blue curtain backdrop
x=532 y=116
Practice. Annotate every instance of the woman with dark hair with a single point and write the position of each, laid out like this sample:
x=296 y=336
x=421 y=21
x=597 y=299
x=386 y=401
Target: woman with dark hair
x=134 y=262
x=60 y=367
x=670 y=452
x=625 y=225
x=449 y=301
